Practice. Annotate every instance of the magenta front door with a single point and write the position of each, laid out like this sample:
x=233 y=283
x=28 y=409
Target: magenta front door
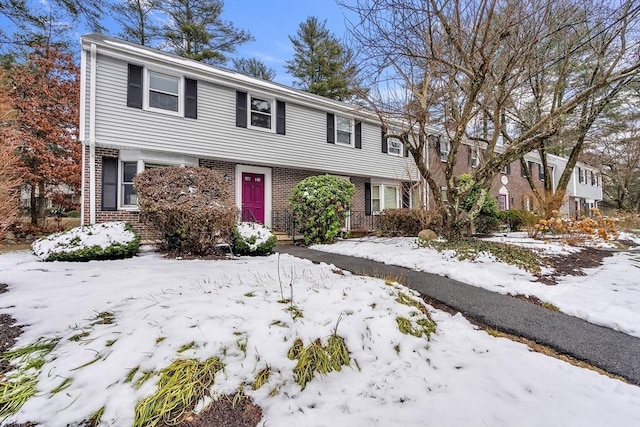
x=253 y=197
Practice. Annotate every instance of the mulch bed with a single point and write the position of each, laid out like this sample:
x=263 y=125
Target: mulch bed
x=223 y=413
x=574 y=264
x=9 y=331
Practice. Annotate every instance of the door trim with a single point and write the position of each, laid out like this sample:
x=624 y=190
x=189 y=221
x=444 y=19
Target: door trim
x=267 y=188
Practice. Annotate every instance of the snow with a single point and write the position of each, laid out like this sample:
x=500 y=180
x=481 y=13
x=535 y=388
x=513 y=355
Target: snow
x=462 y=376
x=102 y=235
x=608 y=295
x=248 y=230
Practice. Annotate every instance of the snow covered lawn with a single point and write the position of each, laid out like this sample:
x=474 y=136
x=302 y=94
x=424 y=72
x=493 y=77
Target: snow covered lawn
x=113 y=316
x=608 y=295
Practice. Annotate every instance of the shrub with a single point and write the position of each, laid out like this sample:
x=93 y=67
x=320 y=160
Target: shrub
x=517 y=218
x=487 y=220
x=191 y=208
x=320 y=204
x=111 y=240
x=252 y=238
x=407 y=222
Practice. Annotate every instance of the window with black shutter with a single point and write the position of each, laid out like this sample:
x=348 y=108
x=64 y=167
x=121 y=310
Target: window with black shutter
x=358 y=135
x=241 y=109
x=191 y=98
x=280 y=117
x=109 y=184
x=134 y=86
x=331 y=129
x=367 y=198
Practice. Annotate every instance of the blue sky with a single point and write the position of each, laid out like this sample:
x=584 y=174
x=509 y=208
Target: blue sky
x=272 y=21
x=269 y=21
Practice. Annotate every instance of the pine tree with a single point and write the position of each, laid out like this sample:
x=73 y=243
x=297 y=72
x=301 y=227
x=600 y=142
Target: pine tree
x=46 y=95
x=321 y=64
x=253 y=67
x=136 y=19
x=194 y=30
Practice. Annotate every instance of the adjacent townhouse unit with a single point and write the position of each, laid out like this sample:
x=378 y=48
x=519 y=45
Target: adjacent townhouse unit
x=143 y=108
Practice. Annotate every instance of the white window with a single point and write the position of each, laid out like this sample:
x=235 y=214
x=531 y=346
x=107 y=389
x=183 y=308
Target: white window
x=164 y=92
x=127 y=192
x=444 y=147
x=384 y=196
x=475 y=157
x=261 y=112
x=443 y=193
x=582 y=176
x=394 y=147
x=344 y=130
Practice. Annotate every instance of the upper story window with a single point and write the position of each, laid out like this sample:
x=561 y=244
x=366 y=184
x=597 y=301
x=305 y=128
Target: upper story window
x=171 y=94
x=443 y=146
x=261 y=112
x=474 y=157
x=540 y=172
x=506 y=169
x=344 y=130
x=582 y=176
x=164 y=91
x=394 y=147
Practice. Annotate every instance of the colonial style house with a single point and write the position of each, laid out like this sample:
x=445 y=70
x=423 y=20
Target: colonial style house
x=143 y=108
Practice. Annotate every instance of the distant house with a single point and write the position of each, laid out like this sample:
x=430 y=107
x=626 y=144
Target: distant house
x=143 y=108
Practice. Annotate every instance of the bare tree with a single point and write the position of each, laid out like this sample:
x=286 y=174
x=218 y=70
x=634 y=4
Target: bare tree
x=465 y=67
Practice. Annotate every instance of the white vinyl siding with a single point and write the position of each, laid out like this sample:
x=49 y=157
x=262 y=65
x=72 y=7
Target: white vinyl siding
x=215 y=134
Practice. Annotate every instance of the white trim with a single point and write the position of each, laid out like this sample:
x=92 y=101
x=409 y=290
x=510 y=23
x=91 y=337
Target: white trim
x=382 y=184
x=352 y=132
x=267 y=188
x=262 y=97
x=83 y=93
x=401 y=151
x=504 y=191
x=83 y=188
x=92 y=136
x=146 y=87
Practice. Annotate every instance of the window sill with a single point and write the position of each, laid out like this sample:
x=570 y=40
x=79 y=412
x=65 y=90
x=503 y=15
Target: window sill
x=260 y=129
x=163 y=112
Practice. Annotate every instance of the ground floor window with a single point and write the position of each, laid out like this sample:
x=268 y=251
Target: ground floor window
x=129 y=170
x=384 y=196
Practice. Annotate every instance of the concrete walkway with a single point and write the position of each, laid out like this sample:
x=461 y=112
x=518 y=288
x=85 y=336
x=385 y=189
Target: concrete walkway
x=612 y=351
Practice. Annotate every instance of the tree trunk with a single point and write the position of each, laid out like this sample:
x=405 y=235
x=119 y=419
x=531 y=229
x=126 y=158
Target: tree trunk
x=33 y=208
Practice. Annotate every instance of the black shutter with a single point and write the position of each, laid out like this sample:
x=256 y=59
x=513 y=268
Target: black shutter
x=385 y=142
x=469 y=156
x=331 y=131
x=359 y=135
x=191 y=98
x=406 y=191
x=134 y=86
x=523 y=171
x=438 y=146
x=241 y=109
x=406 y=150
x=508 y=170
x=367 y=198
x=280 y=117
x=109 y=184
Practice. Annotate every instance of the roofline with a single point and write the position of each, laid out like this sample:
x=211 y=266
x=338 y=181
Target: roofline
x=129 y=50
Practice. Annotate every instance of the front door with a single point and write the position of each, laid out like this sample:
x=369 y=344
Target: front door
x=253 y=197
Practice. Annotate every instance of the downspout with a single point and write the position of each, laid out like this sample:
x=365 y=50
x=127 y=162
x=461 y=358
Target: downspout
x=92 y=137
x=82 y=136
x=426 y=184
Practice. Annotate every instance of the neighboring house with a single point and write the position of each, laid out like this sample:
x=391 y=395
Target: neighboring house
x=143 y=108
x=65 y=192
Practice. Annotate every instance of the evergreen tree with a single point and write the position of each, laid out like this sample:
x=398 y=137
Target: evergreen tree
x=194 y=30
x=321 y=64
x=253 y=67
x=135 y=18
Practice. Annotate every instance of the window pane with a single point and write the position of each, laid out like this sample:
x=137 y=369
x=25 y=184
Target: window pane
x=390 y=197
x=129 y=170
x=375 y=192
x=260 y=105
x=343 y=124
x=394 y=146
x=163 y=83
x=129 y=195
x=261 y=120
x=163 y=101
x=344 y=137
x=375 y=205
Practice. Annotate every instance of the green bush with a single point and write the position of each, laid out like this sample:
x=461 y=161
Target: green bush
x=407 y=222
x=252 y=238
x=115 y=240
x=320 y=204
x=72 y=214
x=487 y=220
x=192 y=208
